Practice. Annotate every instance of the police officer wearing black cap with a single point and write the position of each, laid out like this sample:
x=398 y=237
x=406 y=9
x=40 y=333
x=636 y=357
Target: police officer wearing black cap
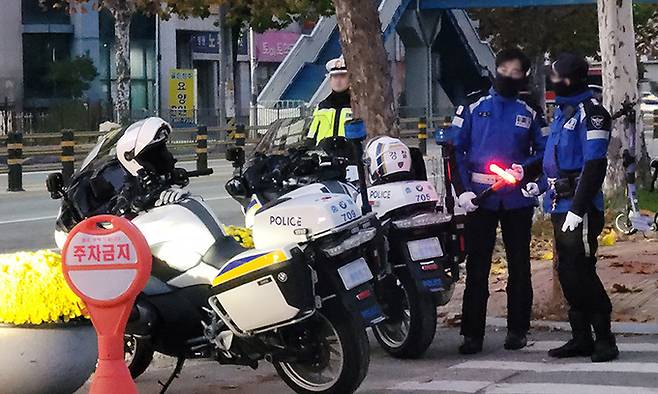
x=498 y=128
x=575 y=166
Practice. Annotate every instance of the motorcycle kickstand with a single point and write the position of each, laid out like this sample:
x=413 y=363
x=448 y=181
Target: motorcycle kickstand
x=177 y=369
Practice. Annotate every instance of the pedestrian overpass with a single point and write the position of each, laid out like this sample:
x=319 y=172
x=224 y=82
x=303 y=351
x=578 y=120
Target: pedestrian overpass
x=444 y=57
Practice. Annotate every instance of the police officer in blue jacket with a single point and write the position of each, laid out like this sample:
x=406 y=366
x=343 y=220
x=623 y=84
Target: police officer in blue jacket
x=502 y=129
x=575 y=164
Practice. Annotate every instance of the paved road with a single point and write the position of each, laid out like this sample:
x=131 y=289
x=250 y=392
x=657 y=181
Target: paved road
x=27 y=218
x=443 y=370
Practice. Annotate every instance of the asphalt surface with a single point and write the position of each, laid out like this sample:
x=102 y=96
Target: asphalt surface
x=26 y=223
x=443 y=370
x=27 y=218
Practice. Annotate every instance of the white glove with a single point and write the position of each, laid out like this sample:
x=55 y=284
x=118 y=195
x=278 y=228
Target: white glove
x=171 y=196
x=465 y=201
x=516 y=171
x=571 y=222
x=530 y=190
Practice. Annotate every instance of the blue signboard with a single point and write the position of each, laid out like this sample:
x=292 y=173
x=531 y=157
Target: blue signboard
x=205 y=42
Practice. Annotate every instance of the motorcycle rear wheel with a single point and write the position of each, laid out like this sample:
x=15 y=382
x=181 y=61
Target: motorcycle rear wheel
x=412 y=333
x=342 y=356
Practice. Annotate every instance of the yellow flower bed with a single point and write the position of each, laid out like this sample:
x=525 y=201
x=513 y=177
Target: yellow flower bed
x=241 y=234
x=33 y=290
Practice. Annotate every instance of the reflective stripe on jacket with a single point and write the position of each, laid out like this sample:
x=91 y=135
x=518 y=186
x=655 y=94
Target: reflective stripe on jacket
x=324 y=124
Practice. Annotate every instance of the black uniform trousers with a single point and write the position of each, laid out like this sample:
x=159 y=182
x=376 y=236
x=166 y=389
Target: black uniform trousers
x=576 y=253
x=481 y=225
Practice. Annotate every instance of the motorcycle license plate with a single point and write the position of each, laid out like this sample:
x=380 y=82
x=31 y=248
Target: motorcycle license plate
x=355 y=273
x=424 y=249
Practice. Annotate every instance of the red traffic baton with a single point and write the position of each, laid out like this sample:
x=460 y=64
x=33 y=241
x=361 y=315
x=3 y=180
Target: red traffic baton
x=489 y=191
x=505 y=179
x=107 y=262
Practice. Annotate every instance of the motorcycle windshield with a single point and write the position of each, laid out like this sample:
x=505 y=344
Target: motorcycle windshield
x=93 y=186
x=284 y=134
x=104 y=148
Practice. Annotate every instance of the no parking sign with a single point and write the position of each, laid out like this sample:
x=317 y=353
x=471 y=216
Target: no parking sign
x=107 y=262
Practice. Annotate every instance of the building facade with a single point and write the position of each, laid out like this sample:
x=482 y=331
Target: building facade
x=33 y=38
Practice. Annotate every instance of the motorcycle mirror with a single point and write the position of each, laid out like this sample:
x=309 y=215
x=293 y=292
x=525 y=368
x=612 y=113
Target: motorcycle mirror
x=237 y=187
x=236 y=156
x=55 y=185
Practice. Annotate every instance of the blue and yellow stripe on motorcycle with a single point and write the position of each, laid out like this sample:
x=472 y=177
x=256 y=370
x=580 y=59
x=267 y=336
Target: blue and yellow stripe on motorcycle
x=238 y=268
x=253 y=207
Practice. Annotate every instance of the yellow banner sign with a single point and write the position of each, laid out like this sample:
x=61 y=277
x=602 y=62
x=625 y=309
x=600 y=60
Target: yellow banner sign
x=182 y=96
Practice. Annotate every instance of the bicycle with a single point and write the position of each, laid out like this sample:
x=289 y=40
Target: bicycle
x=632 y=220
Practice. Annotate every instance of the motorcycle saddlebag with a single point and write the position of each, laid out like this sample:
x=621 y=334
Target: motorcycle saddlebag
x=258 y=290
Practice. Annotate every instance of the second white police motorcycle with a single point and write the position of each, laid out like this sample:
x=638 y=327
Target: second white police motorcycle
x=422 y=246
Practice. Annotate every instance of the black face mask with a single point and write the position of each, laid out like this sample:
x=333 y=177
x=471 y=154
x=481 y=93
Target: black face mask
x=564 y=90
x=507 y=86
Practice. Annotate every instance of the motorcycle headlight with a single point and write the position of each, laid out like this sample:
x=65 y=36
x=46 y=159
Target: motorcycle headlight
x=352 y=242
x=422 y=220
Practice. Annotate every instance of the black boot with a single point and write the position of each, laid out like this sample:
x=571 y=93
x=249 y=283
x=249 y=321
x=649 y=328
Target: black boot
x=582 y=344
x=471 y=345
x=515 y=340
x=605 y=346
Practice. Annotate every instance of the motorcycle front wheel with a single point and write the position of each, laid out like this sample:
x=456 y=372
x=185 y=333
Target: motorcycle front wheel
x=624 y=225
x=409 y=331
x=338 y=353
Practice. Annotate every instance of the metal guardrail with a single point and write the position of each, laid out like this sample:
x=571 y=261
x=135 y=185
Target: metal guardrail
x=63 y=150
x=52 y=151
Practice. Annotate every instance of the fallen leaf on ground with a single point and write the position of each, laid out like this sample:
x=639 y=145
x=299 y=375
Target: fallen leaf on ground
x=636 y=267
x=620 y=288
x=548 y=255
x=454 y=320
x=609 y=239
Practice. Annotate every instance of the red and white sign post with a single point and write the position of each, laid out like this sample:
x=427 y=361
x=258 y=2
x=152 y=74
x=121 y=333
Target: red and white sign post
x=107 y=262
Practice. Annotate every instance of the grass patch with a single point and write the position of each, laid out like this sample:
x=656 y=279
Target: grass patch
x=648 y=200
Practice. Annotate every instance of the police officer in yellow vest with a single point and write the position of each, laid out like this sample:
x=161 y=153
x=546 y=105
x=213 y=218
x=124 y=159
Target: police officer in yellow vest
x=330 y=116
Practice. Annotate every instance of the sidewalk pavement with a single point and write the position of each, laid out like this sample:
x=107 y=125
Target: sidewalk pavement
x=628 y=269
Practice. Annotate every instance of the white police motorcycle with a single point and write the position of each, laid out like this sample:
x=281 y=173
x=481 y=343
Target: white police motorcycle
x=299 y=301
x=421 y=244
x=425 y=245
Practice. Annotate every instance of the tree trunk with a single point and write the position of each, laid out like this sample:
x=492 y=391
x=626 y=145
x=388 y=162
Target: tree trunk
x=365 y=56
x=122 y=13
x=557 y=303
x=643 y=158
x=539 y=80
x=619 y=66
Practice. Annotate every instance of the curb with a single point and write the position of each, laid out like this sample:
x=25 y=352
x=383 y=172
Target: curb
x=617 y=327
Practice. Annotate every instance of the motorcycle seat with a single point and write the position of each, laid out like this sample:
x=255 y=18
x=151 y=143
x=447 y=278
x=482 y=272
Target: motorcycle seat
x=224 y=249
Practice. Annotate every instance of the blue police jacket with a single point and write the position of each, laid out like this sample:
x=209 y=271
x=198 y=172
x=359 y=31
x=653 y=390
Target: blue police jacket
x=577 y=145
x=500 y=130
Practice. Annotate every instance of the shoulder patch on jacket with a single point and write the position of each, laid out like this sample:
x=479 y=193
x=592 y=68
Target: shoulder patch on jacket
x=596 y=116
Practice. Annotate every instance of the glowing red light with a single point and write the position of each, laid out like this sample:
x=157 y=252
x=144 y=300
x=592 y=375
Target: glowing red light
x=507 y=177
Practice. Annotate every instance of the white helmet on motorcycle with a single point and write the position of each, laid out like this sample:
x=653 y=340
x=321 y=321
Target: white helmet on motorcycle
x=388 y=159
x=143 y=145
